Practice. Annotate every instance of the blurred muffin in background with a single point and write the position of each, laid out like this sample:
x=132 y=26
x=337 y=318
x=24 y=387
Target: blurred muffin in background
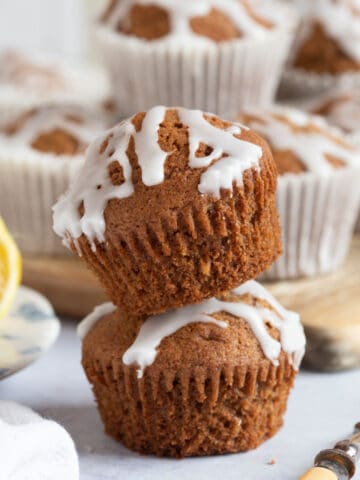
x=206 y=379
x=40 y=150
x=341 y=109
x=208 y=54
x=29 y=81
x=318 y=190
x=327 y=49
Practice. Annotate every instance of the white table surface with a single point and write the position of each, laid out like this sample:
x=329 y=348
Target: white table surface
x=323 y=409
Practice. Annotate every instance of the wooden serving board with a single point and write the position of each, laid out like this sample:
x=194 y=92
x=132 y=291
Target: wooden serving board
x=329 y=305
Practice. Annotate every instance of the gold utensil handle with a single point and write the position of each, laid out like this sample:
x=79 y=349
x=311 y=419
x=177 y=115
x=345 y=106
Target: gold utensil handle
x=318 y=473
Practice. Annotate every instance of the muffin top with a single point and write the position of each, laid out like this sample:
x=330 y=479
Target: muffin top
x=242 y=327
x=341 y=109
x=329 y=40
x=158 y=163
x=37 y=79
x=214 y=20
x=301 y=142
x=61 y=131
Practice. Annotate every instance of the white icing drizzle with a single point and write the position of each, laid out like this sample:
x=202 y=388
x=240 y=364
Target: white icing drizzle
x=89 y=322
x=144 y=350
x=151 y=157
x=48 y=118
x=181 y=12
x=226 y=165
x=340 y=18
x=310 y=148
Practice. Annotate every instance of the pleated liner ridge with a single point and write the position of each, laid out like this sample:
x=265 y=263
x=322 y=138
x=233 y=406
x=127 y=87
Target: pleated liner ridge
x=191 y=412
x=188 y=256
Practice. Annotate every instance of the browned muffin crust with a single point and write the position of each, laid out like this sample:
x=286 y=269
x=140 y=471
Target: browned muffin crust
x=322 y=54
x=168 y=245
x=209 y=391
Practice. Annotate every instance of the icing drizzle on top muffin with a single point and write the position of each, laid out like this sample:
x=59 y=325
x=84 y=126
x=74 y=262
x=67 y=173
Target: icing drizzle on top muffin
x=318 y=147
x=223 y=165
x=176 y=18
x=339 y=18
x=263 y=309
x=61 y=130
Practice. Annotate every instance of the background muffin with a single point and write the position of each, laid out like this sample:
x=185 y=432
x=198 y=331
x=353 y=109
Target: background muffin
x=171 y=207
x=318 y=192
x=32 y=81
x=207 y=379
x=326 y=52
x=206 y=55
x=342 y=109
x=39 y=152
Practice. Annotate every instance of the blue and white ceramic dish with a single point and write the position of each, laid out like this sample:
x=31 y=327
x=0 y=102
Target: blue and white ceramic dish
x=27 y=332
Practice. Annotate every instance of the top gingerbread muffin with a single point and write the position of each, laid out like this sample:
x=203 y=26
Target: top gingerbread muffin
x=171 y=207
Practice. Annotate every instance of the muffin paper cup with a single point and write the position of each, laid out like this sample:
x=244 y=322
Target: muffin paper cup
x=298 y=83
x=191 y=412
x=30 y=184
x=219 y=78
x=318 y=217
x=188 y=255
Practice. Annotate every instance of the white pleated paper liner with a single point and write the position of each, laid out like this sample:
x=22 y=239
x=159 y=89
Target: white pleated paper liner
x=318 y=216
x=220 y=78
x=30 y=184
x=297 y=83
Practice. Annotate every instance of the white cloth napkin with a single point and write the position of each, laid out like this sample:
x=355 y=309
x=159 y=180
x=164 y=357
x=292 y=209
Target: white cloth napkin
x=32 y=448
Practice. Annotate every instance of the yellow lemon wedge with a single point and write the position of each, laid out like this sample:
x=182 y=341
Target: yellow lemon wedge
x=10 y=269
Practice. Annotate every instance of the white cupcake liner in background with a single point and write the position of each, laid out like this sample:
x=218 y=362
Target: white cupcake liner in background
x=30 y=184
x=317 y=216
x=297 y=83
x=220 y=78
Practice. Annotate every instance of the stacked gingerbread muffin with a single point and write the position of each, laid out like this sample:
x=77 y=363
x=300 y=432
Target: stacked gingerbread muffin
x=174 y=211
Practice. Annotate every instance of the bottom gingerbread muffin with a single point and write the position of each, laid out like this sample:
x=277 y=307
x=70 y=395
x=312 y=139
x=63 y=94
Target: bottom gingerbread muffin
x=207 y=379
